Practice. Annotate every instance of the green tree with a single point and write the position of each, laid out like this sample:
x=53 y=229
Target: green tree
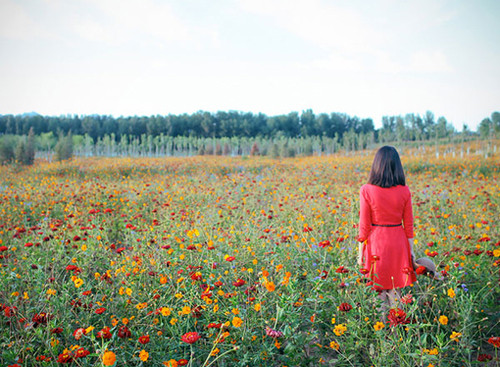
x=64 y=147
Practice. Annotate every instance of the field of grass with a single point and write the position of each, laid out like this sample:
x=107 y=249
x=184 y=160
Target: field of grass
x=219 y=261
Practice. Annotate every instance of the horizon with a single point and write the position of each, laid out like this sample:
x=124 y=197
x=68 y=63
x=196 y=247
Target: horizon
x=146 y=58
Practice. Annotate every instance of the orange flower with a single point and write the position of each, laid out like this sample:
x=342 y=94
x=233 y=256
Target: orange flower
x=143 y=355
x=108 y=358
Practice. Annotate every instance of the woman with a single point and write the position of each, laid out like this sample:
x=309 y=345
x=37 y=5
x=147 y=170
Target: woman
x=386 y=227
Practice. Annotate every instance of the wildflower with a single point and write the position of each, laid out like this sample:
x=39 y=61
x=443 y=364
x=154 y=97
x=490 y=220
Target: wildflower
x=443 y=320
x=421 y=270
x=378 y=326
x=190 y=337
x=78 y=333
x=273 y=333
x=239 y=283
x=455 y=336
x=257 y=307
x=108 y=358
x=81 y=352
x=144 y=339
x=451 y=293
x=484 y=357
x=165 y=311
x=65 y=357
x=334 y=345
x=143 y=355
x=407 y=299
x=270 y=286
x=170 y=363
x=124 y=332
x=397 y=317
x=345 y=307
x=237 y=322
x=100 y=310
x=339 y=329
x=495 y=341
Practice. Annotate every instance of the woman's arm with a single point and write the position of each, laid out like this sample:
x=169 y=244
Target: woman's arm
x=365 y=216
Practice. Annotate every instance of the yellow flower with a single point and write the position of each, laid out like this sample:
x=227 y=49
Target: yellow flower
x=333 y=320
x=215 y=352
x=173 y=320
x=165 y=311
x=128 y=291
x=454 y=336
x=89 y=329
x=496 y=252
x=186 y=310
x=257 y=307
x=235 y=311
x=378 y=326
x=140 y=306
x=451 y=293
x=171 y=363
x=108 y=358
x=51 y=292
x=143 y=355
x=78 y=282
x=339 y=329
x=334 y=345
x=237 y=322
x=443 y=320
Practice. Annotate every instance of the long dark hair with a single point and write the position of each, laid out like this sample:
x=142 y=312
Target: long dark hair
x=387 y=170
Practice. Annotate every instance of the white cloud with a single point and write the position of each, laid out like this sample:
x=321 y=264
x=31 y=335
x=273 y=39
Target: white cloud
x=15 y=22
x=319 y=22
x=429 y=62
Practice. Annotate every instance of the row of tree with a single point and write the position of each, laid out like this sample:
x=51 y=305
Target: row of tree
x=285 y=135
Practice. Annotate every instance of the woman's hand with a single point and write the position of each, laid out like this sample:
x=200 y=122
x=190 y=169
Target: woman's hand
x=360 y=259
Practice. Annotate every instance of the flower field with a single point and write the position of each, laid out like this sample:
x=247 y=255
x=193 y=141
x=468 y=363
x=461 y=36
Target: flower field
x=219 y=261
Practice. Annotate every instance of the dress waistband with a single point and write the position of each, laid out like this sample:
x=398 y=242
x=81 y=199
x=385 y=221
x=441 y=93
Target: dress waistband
x=386 y=225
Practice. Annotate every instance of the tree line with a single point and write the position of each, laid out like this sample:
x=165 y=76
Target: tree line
x=232 y=132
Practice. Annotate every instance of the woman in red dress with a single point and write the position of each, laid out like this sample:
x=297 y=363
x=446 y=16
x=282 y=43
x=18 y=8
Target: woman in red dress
x=386 y=227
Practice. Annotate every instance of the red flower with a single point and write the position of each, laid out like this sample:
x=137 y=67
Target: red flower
x=397 y=317
x=104 y=333
x=364 y=271
x=345 y=307
x=421 y=270
x=484 y=357
x=182 y=362
x=239 y=283
x=65 y=358
x=144 y=339
x=406 y=299
x=3 y=248
x=78 y=333
x=273 y=333
x=230 y=258
x=432 y=253
x=100 y=310
x=57 y=330
x=214 y=325
x=81 y=352
x=324 y=244
x=190 y=337
x=124 y=332
x=495 y=341
x=341 y=270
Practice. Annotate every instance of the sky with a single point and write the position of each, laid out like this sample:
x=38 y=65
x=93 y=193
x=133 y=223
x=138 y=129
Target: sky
x=365 y=58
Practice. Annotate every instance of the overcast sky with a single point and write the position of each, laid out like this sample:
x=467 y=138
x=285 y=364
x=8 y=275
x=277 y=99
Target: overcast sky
x=147 y=57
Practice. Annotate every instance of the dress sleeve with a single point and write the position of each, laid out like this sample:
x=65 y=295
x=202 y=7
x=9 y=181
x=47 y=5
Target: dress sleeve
x=365 y=216
x=408 y=217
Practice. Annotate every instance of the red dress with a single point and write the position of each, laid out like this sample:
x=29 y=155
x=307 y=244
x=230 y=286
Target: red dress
x=387 y=254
